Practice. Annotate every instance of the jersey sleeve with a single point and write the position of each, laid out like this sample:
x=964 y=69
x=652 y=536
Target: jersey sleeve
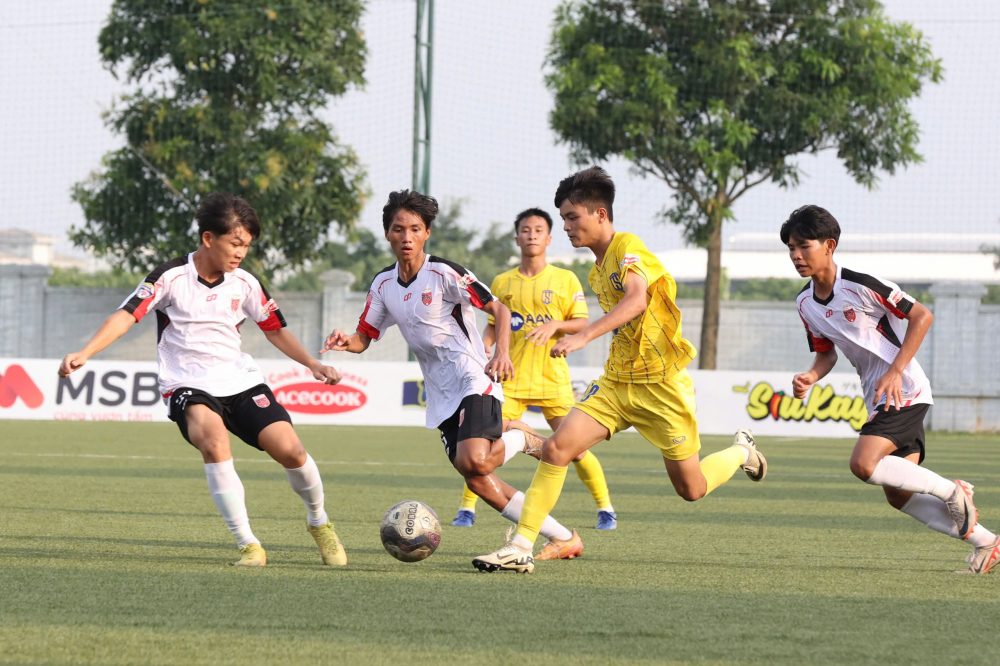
x=577 y=305
x=887 y=297
x=817 y=343
x=260 y=307
x=462 y=286
x=635 y=257
x=150 y=293
x=375 y=318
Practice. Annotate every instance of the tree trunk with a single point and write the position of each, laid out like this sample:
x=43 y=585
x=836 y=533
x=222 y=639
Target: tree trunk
x=708 y=353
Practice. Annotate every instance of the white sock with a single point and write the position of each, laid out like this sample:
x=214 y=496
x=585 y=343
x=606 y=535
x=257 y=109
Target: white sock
x=227 y=492
x=513 y=443
x=933 y=513
x=306 y=482
x=551 y=528
x=608 y=508
x=896 y=472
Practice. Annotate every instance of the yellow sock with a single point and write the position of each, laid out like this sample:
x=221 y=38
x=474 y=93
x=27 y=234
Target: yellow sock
x=468 y=499
x=721 y=465
x=591 y=472
x=541 y=497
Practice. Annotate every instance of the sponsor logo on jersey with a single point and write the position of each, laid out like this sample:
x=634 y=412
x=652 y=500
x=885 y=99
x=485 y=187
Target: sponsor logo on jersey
x=850 y=315
x=145 y=290
x=516 y=321
x=829 y=313
x=616 y=281
x=547 y=296
x=591 y=390
x=465 y=280
x=316 y=398
x=235 y=304
x=211 y=297
x=15 y=383
x=426 y=297
x=261 y=401
x=407 y=296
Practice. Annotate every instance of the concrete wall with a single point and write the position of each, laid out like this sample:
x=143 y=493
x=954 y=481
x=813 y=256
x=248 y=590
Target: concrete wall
x=960 y=354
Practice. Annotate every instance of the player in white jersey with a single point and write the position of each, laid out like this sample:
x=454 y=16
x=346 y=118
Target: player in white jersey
x=210 y=385
x=862 y=316
x=431 y=300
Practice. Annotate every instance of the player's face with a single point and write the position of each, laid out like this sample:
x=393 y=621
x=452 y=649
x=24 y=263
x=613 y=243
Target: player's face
x=582 y=226
x=407 y=235
x=809 y=255
x=227 y=252
x=533 y=236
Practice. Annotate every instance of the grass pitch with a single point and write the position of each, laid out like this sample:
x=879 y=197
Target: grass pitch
x=111 y=552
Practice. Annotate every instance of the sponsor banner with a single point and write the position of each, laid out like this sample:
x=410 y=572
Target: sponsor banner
x=373 y=393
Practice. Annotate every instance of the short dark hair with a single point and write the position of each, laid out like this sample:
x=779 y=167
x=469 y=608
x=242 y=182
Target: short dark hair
x=221 y=212
x=415 y=202
x=532 y=212
x=591 y=187
x=810 y=223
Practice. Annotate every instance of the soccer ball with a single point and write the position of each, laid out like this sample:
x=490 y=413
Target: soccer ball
x=410 y=531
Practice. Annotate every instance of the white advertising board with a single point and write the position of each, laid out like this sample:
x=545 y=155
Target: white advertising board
x=392 y=394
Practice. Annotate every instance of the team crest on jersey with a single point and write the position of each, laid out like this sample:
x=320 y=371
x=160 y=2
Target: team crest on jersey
x=145 y=290
x=850 y=315
x=426 y=297
x=235 y=304
x=547 y=296
x=829 y=313
x=261 y=401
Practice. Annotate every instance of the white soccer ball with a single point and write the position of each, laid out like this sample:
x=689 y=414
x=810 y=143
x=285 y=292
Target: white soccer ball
x=410 y=531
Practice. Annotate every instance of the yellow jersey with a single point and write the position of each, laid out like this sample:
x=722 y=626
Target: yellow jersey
x=650 y=347
x=554 y=293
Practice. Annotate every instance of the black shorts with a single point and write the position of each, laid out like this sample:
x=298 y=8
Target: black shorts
x=905 y=427
x=477 y=416
x=244 y=414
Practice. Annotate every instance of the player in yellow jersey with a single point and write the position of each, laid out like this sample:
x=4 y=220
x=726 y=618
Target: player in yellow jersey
x=546 y=303
x=645 y=383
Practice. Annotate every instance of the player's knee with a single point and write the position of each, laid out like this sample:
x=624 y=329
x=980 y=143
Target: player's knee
x=862 y=468
x=690 y=494
x=474 y=467
x=556 y=452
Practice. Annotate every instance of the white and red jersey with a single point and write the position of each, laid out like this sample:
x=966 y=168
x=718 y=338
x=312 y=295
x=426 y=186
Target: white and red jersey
x=434 y=313
x=863 y=318
x=198 y=326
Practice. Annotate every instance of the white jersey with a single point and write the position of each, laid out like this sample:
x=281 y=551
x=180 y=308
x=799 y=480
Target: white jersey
x=434 y=313
x=198 y=326
x=863 y=318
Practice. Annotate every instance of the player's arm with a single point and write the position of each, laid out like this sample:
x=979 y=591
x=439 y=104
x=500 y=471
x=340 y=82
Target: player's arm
x=633 y=303
x=289 y=345
x=822 y=365
x=890 y=385
x=556 y=328
x=500 y=367
x=114 y=327
x=342 y=341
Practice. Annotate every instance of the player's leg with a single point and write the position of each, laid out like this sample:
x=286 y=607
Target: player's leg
x=577 y=433
x=198 y=416
x=589 y=470
x=260 y=421
x=466 y=515
x=664 y=414
x=901 y=432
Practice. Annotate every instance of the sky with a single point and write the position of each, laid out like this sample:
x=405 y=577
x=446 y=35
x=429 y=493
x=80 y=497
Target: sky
x=491 y=144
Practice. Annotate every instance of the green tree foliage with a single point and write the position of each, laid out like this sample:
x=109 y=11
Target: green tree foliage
x=365 y=253
x=225 y=95
x=715 y=98
x=114 y=278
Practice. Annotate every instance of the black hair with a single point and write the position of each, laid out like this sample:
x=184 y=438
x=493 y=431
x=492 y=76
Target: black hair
x=810 y=223
x=591 y=187
x=415 y=202
x=221 y=212
x=532 y=212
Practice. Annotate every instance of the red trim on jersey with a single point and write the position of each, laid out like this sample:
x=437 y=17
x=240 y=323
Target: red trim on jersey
x=364 y=326
x=143 y=308
x=889 y=306
x=274 y=319
x=816 y=343
x=476 y=303
x=489 y=389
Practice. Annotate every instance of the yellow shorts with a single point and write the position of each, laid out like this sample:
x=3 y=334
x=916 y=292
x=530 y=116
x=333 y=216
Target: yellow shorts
x=514 y=408
x=664 y=413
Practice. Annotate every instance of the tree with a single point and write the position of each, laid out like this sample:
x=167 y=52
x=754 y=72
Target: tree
x=225 y=95
x=715 y=98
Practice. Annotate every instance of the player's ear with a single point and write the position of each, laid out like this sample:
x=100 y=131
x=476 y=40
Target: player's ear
x=831 y=245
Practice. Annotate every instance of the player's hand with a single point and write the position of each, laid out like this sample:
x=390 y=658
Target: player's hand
x=500 y=368
x=336 y=341
x=541 y=334
x=70 y=363
x=890 y=386
x=801 y=383
x=325 y=373
x=567 y=345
